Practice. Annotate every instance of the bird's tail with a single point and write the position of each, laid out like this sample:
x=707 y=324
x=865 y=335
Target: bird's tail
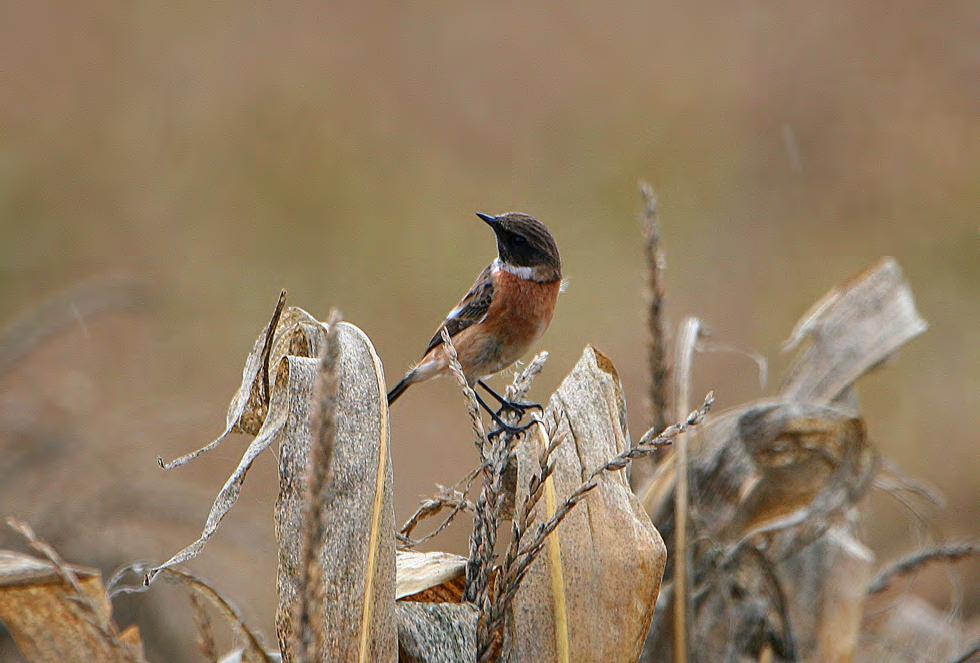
x=399 y=389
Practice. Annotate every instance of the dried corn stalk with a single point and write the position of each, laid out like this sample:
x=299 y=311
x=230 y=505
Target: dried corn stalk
x=357 y=556
x=356 y=560
x=775 y=489
x=590 y=595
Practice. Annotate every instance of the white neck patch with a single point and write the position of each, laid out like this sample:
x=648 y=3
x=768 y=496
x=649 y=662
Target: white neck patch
x=526 y=273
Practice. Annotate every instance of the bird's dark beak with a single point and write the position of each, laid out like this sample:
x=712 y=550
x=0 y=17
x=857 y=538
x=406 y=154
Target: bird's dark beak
x=490 y=220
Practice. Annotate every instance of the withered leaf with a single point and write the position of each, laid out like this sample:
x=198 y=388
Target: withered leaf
x=357 y=562
x=39 y=610
x=606 y=560
x=430 y=577
x=852 y=329
x=436 y=632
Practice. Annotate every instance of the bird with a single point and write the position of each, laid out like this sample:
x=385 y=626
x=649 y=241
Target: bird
x=503 y=314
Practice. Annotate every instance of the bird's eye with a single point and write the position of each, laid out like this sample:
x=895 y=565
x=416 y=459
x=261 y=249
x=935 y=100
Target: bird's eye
x=519 y=240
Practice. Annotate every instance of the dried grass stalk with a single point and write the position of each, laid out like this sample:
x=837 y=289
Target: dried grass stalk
x=494 y=456
x=309 y=610
x=658 y=370
x=686 y=344
x=953 y=552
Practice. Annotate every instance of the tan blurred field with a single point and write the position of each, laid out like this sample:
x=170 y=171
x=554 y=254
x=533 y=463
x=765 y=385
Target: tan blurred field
x=215 y=153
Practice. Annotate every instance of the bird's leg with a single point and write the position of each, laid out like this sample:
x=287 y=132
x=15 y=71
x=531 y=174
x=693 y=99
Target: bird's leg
x=518 y=408
x=504 y=427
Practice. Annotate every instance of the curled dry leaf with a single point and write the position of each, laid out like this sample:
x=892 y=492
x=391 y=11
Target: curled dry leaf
x=853 y=328
x=430 y=577
x=792 y=468
x=292 y=329
x=40 y=609
x=800 y=451
x=249 y=405
x=606 y=558
x=358 y=570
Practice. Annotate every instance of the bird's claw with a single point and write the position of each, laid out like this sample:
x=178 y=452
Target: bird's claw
x=511 y=430
x=520 y=409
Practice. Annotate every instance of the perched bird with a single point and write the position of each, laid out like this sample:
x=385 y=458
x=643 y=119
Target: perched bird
x=508 y=308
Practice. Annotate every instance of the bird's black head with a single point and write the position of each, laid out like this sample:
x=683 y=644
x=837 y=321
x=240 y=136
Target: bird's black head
x=524 y=242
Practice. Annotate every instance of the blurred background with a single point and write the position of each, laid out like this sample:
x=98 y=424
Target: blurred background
x=205 y=155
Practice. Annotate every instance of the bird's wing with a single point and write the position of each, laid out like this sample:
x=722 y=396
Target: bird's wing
x=471 y=310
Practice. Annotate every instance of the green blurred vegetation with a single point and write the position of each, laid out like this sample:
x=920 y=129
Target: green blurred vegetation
x=220 y=151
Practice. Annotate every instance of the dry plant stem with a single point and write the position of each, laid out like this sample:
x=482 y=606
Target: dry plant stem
x=84 y=604
x=947 y=553
x=205 y=634
x=523 y=519
x=309 y=615
x=521 y=552
x=472 y=406
x=494 y=455
x=448 y=498
x=657 y=353
x=686 y=343
x=523 y=379
x=454 y=498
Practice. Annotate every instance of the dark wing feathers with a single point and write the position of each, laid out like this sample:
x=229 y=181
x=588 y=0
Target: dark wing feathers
x=472 y=308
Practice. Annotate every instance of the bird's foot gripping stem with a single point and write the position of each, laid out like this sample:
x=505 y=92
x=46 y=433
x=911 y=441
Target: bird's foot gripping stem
x=502 y=426
x=520 y=409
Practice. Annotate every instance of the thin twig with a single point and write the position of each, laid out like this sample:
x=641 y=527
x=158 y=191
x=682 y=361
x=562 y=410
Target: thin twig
x=686 y=343
x=308 y=635
x=447 y=498
x=948 y=553
x=659 y=372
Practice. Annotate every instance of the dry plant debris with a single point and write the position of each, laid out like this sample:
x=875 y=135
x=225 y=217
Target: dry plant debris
x=57 y=612
x=760 y=511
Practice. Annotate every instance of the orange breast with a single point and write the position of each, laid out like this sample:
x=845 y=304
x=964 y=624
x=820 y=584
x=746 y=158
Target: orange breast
x=521 y=311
